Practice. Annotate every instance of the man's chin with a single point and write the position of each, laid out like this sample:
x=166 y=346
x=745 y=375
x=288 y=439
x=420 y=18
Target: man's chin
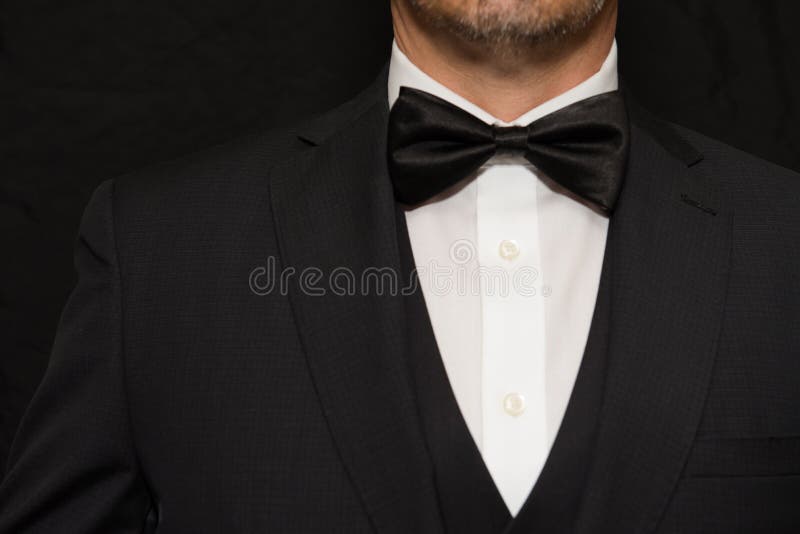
x=509 y=20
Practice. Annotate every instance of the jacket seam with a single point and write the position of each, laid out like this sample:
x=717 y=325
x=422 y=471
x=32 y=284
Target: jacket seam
x=121 y=348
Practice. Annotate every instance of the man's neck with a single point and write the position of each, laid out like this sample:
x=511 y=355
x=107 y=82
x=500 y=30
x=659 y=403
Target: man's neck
x=506 y=83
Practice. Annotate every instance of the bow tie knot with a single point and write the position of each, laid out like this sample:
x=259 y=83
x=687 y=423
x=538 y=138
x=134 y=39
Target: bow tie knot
x=513 y=138
x=434 y=145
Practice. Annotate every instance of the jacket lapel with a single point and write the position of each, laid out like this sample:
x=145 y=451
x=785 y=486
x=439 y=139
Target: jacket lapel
x=335 y=213
x=669 y=243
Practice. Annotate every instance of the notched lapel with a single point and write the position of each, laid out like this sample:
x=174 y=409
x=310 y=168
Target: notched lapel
x=669 y=270
x=334 y=209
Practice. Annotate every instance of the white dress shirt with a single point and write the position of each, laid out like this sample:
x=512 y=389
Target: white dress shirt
x=509 y=266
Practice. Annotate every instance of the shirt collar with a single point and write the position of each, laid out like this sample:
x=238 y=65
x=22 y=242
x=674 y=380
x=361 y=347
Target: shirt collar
x=403 y=73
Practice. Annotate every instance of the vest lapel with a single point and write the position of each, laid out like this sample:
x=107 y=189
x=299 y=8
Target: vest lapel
x=670 y=257
x=555 y=500
x=469 y=500
x=334 y=209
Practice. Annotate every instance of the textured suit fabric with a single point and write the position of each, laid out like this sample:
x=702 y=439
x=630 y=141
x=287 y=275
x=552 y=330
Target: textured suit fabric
x=178 y=400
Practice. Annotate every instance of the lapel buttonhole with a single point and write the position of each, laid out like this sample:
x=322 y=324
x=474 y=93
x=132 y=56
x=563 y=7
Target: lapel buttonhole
x=697 y=204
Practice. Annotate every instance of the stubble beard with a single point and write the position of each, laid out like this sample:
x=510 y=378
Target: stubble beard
x=506 y=25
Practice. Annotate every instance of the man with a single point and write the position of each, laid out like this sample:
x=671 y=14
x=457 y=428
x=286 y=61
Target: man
x=626 y=362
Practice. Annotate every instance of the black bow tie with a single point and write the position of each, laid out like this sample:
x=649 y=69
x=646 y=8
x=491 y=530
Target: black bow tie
x=433 y=145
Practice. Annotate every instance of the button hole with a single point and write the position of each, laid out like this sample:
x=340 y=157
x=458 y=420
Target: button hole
x=697 y=204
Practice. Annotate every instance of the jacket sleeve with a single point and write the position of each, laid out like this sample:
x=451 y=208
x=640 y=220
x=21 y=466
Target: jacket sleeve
x=73 y=467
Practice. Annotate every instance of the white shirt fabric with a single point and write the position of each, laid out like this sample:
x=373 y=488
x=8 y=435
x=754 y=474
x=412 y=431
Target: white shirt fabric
x=509 y=265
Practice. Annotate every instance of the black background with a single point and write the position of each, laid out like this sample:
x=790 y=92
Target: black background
x=94 y=88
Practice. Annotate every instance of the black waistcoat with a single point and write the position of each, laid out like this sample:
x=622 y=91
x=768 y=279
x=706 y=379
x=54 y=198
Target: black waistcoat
x=468 y=498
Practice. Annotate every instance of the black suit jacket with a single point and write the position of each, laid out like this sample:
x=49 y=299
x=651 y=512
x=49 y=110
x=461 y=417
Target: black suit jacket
x=180 y=400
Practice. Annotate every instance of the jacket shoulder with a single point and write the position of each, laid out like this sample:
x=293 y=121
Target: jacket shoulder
x=215 y=192
x=747 y=181
x=243 y=162
x=238 y=160
x=762 y=198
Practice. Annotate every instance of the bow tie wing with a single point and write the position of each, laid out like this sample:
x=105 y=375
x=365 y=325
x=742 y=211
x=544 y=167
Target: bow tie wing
x=584 y=147
x=433 y=145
